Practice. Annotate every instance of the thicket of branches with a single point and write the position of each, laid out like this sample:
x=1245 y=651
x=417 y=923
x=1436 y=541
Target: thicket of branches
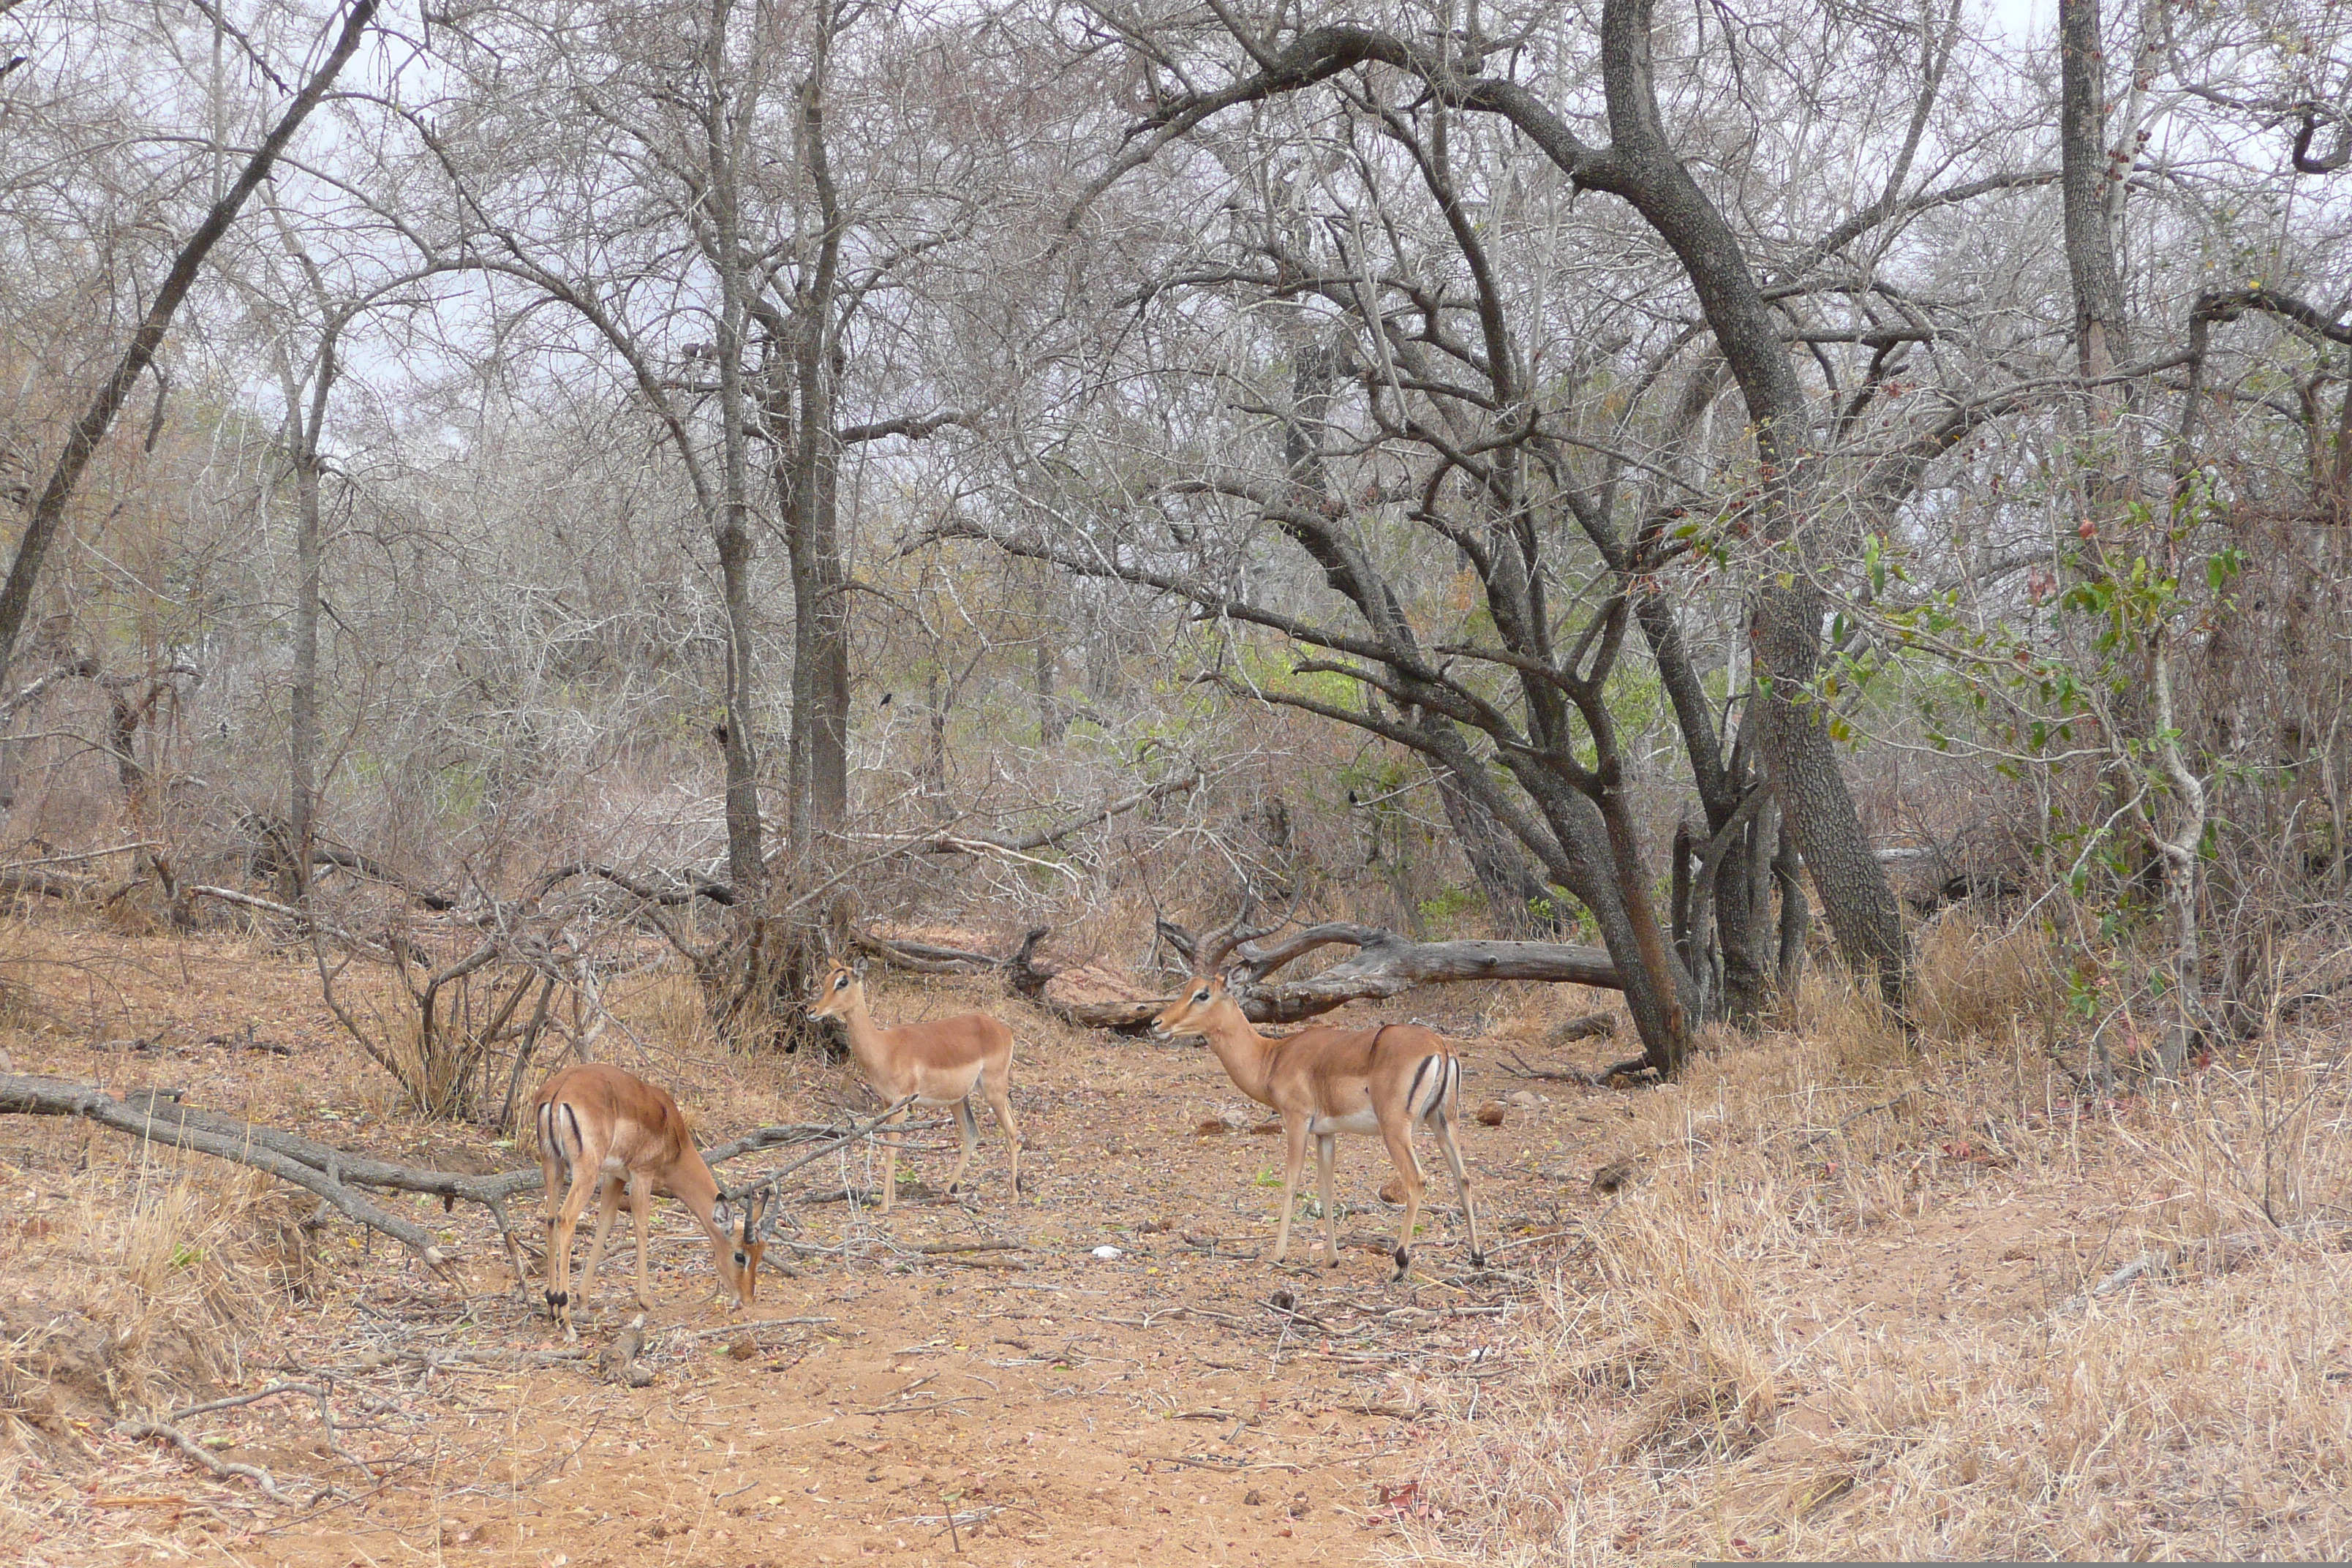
x=1639 y=475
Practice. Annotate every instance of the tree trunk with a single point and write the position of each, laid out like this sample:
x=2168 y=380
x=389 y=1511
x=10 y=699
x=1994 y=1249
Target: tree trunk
x=808 y=470
x=746 y=854
x=1658 y=990
x=1050 y=725
x=746 y=857
x=123 y=718
x=2086 y=171
x=1785 y=617
x=303 y=736
x=1816 y=807
x=935 y=762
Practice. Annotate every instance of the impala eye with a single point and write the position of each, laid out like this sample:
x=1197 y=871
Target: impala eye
x=841 y=983
x=1200 y=996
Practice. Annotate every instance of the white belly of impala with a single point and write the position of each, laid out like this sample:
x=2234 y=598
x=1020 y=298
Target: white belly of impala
x=1360 y=1121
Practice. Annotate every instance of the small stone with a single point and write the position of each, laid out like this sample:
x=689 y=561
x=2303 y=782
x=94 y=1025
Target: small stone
x=1491 y=1114
x=1108 y=1254
x=1253 y=1499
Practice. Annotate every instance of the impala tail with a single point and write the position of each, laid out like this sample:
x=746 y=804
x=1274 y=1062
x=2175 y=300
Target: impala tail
x=1436 y=1096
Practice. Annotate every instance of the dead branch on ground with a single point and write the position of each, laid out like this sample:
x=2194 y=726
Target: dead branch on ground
x=328 y=1173
x=224 y=1469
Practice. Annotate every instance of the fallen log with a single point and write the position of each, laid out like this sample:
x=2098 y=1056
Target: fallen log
x=922 y=957
x=1026 y=976
x=35 y=883
x=1119 y=1018
x=684 y=886
x=1385 y=965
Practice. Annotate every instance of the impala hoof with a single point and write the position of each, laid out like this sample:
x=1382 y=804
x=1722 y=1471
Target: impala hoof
x=1403 y=1264
x=1477 y=1260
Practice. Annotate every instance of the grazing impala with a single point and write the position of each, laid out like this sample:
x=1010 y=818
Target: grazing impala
x=939 y=1063
x=612 y=1134
x=1325 y=1082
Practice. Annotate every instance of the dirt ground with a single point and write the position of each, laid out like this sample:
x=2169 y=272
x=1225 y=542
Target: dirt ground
x=1161 y=1406
x=1853 y=1297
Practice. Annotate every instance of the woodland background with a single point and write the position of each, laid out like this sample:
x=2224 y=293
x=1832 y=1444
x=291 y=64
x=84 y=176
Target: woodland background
x=1668 y=484
x=534 y=522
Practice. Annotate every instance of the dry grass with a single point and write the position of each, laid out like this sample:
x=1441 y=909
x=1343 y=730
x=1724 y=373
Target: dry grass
x=1844 y=1315
x=1975 y=981
x=137 y=1282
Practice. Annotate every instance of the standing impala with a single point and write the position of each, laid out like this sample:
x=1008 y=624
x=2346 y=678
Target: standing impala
x=613 y=1134
x=1325 y=1082
x=939 y=1063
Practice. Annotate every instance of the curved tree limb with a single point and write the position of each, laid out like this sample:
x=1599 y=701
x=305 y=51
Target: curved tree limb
x=1385 y=965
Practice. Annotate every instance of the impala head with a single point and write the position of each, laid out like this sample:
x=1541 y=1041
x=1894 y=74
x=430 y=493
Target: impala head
x=1189 y=1016
x=841 y=986
x=738 y=1247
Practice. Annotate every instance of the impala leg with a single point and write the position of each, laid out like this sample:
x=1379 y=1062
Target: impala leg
x=1323 y=1147
x=967 y=1133
x=1407 y=1161
x=554 y=1183
x=641 y=1209
x=608 y=1204
x=890 y=1144
x=1293 y=1160
x=561 y=1224
x=1443 y=1117
x=999 y=1092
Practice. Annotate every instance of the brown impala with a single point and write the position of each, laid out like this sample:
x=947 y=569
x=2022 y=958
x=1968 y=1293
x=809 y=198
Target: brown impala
x=1325 y=1082
x=939 y=1063
x=611 y=1134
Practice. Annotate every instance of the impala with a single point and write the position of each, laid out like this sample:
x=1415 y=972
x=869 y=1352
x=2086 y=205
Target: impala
x=937 y=1063
x=1325 y=1082
x=610 y=1134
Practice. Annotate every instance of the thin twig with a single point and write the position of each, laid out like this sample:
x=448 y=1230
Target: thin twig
x=224 y=1469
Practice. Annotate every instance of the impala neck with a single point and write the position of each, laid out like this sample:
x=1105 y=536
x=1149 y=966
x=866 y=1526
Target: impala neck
x=694 y=1186
x=865 y=1034
x=1248 y=1055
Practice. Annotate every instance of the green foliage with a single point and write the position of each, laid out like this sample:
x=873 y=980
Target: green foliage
x=1452 y=904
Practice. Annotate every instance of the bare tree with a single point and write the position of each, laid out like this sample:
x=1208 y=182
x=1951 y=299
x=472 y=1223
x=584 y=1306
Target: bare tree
x=1789 y=604
x=83 y=441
